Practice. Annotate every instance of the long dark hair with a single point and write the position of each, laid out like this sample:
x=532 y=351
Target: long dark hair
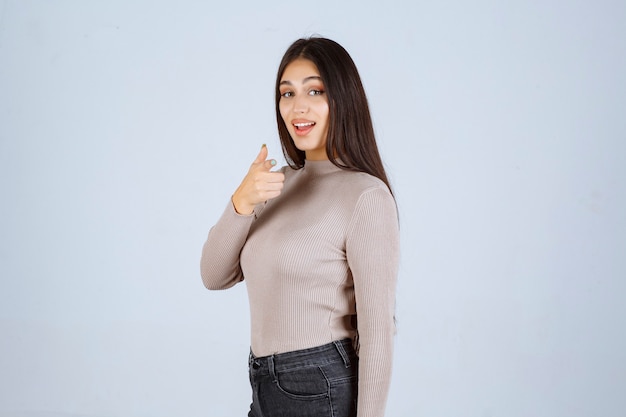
x=351 y=136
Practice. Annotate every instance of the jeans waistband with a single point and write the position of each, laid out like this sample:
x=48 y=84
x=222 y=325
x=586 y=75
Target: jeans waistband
x=340 y=350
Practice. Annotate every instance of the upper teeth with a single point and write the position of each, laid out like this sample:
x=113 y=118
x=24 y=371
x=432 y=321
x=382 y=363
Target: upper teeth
x=304 y=124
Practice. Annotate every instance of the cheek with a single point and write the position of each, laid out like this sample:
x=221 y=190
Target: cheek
x=283 y=107
x=324 y=112
x=282 y=116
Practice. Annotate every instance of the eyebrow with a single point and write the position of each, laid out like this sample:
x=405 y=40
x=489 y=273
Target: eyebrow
x=307 y=79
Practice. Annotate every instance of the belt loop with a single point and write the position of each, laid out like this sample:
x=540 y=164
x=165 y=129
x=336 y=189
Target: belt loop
x=270 y=364
x=342 y=352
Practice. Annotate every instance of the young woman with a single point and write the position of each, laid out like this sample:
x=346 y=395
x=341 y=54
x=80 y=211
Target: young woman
x=317 y=243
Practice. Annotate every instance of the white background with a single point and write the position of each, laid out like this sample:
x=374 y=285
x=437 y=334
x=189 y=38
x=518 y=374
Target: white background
x=126 y=125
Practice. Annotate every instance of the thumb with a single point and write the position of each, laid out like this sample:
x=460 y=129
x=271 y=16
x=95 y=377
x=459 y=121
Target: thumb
x=262 y=155
x=269 y=164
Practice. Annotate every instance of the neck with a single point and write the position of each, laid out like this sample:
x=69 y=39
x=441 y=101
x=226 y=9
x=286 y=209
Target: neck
x=316 y=155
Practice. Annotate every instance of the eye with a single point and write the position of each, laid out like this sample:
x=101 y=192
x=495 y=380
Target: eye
x=286 y=94
x=316 y=92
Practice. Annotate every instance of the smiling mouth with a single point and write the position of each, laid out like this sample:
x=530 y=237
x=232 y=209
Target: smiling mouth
x=303 y=126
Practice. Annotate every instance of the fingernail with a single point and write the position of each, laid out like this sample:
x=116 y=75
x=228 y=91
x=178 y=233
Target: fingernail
x=273 y=162
x=263 y=146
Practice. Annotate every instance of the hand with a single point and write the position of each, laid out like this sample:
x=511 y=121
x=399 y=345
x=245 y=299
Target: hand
x=259 y=185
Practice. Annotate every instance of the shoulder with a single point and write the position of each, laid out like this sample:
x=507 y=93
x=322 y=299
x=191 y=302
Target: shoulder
x=365 y=197
x=374 y=214
x=288 y=171
x=359 y=184
x=342 y=186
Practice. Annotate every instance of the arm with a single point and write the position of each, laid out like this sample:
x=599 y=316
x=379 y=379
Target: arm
x=373 y=254
x=219 y=265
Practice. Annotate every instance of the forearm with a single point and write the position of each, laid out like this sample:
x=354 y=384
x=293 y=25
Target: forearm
x=219 y=264
x=376 y=326
x=375 y=366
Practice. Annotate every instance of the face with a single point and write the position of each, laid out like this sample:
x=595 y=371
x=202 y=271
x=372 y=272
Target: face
x=303 y=106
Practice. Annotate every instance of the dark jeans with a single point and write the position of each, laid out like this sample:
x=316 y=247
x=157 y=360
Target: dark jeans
x=316 y=382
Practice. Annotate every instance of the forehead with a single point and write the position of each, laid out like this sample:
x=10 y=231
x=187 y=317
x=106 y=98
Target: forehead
x=299 y=69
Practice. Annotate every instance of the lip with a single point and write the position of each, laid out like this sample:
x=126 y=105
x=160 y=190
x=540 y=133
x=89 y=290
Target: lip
x=302 y=127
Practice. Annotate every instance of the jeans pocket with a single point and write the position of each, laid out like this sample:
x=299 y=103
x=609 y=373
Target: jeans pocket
x=303 y=383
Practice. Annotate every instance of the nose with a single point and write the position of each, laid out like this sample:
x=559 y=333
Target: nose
x=300 y=104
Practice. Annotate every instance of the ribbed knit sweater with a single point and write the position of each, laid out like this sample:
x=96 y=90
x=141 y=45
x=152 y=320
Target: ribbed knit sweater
x=316 y=258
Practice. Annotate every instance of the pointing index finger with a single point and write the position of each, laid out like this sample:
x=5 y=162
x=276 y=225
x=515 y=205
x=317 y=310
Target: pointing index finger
x=262 y=155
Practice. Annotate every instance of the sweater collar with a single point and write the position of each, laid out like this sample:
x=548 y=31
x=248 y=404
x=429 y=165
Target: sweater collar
x=320 y=167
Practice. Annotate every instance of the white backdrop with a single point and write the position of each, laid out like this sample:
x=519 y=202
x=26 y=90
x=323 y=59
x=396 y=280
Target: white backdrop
x=125 y=126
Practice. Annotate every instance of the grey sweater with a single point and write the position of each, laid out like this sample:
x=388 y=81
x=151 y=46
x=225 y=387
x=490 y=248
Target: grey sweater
x=320 y=263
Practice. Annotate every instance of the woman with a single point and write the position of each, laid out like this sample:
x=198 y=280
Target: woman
x=317 y=243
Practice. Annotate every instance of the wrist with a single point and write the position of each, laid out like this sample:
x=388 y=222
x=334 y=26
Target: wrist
x=240 y=207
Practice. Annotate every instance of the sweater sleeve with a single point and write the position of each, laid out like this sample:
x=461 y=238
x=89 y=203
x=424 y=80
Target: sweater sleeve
x=219 y=264
x=372 y=249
